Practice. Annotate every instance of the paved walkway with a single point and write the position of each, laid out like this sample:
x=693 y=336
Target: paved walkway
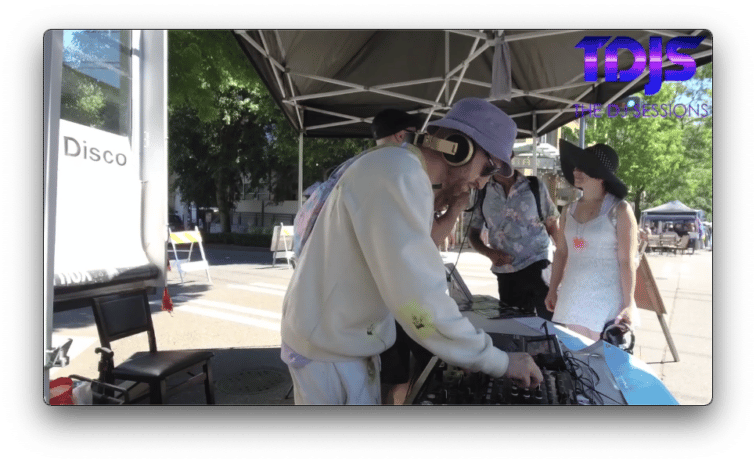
x=238 y=316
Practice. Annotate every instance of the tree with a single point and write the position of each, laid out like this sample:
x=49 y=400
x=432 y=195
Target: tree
x=187 y=149
x=216 y=138
x=202 y=63
x=320 y=156
x=212 y=157
x=224 y=127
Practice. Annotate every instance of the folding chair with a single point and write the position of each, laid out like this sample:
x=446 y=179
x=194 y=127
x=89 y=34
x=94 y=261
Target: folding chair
x=282 y=244
x=187 y=265
x=668 y=243
x=682 y=245
x=654 y=242
x=125 y=315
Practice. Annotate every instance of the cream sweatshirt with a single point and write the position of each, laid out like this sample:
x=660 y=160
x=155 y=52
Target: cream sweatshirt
x=369 y=260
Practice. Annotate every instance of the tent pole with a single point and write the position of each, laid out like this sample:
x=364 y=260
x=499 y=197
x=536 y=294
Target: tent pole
x=446 y=68
x=582 y=132
x=53 y=70
x=535 y=146
x=301 y=157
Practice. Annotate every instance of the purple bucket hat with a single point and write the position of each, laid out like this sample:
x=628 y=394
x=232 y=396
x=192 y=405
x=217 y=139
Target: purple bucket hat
x=489 y=127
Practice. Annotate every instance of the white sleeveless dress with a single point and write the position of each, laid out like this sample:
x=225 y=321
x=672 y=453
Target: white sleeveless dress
x=591 y=291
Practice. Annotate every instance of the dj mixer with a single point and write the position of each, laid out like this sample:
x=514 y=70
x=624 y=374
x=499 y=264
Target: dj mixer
x=444 y=384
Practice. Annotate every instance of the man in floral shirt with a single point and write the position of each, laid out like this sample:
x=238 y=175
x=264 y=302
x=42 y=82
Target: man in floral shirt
x=518 y=237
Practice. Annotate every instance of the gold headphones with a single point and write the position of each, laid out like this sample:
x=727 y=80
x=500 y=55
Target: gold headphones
x=457 y=148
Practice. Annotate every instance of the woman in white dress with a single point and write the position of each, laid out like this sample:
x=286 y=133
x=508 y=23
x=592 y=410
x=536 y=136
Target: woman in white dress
x=593 y=272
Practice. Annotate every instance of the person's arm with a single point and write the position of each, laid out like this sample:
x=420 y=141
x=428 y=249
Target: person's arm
x=551 y=221
x=552 y=227
x=498 y=258
x=627 y=247
x=560 y=260
x=390 y=211
x=444 y=225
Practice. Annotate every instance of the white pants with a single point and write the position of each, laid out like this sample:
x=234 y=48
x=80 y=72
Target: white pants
x=338 y=383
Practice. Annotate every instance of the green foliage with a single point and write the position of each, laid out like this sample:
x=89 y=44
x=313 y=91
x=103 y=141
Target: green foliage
x=216 y=137
x=225 y=126
x=202 y=63
x=320 y=156
x=187 y=156
x=212 y=157
x=85 y=104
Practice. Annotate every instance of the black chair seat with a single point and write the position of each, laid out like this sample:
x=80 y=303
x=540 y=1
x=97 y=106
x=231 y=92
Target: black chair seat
x=155 y=365
x=126 y=314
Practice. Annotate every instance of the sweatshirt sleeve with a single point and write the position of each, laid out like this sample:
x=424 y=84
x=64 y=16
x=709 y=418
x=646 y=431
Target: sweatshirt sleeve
x=391 y=206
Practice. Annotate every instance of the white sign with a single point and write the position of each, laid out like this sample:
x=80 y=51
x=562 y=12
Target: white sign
x=99 y=205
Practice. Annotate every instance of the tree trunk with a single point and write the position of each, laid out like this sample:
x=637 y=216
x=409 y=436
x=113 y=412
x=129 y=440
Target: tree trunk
x=224 y=208
x=638 y=196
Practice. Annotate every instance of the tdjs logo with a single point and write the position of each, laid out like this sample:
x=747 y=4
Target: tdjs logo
x=591 y=45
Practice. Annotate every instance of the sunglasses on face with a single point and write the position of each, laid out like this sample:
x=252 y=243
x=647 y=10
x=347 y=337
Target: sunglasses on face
x=491 y=168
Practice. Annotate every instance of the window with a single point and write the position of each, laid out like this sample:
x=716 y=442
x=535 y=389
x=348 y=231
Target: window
x=96 y=84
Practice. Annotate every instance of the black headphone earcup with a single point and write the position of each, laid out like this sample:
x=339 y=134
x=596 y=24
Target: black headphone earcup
x=465 y=150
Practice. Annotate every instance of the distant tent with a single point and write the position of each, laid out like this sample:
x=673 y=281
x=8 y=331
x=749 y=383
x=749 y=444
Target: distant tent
x=672 y=211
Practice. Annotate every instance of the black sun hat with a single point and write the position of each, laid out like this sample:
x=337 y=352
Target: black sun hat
x=597 y=161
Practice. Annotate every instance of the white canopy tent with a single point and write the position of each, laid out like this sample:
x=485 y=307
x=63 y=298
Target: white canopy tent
x=331 y=83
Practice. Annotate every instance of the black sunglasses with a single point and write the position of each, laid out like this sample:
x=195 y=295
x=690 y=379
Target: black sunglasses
x=491 y=168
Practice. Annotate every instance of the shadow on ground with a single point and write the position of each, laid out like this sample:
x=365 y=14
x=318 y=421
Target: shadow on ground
x=244 y=376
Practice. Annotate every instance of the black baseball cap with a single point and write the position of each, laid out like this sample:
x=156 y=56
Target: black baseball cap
x=391 y=121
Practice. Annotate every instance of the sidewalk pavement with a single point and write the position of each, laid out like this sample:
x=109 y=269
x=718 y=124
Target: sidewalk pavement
x=685 y=285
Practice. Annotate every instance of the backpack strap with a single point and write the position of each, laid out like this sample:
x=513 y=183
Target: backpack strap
x=535 y=188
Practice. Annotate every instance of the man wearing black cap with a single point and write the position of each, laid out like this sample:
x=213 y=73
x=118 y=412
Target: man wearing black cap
x=370 y=261
x=392 y=125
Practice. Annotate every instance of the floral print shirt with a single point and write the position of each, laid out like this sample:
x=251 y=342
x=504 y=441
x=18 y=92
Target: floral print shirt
x=513 y=223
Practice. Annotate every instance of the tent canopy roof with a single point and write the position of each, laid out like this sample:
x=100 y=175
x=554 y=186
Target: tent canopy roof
x=330 y=83
x=672 y=207
x=673 y=210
